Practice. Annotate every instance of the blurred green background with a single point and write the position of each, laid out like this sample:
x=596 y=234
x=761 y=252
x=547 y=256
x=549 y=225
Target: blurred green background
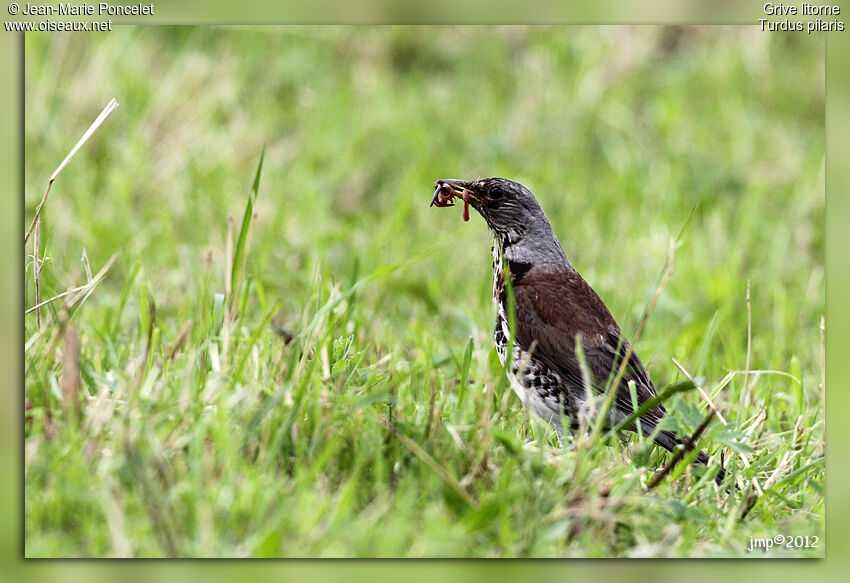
x=620 y=131
x=623 y=133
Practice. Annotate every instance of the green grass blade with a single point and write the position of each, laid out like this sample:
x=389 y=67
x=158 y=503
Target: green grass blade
x=247 y=217
x=668 y=392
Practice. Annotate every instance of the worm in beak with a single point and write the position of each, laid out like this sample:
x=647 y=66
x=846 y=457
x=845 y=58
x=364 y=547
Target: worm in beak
x=444 y=195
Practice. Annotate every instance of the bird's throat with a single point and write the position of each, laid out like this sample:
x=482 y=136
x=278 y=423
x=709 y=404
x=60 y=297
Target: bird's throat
x=505 y=264
x=507 y=259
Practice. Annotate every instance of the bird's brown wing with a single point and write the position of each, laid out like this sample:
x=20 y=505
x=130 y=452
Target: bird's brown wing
x=552 y=309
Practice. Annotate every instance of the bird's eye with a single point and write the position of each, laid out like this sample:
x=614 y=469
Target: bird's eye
x=496 y=192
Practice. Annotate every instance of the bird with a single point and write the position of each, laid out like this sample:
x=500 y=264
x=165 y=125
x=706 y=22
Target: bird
x=554 y=308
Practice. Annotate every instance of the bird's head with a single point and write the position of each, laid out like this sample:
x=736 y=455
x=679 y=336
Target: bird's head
x=509 y=208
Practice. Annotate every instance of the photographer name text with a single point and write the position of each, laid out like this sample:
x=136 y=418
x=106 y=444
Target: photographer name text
x=99 y=9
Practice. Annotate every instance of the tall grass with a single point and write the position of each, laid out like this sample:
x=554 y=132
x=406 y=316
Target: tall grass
x=319 y=378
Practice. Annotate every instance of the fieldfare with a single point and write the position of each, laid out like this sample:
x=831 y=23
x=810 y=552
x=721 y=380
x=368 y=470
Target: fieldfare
x=553 y=306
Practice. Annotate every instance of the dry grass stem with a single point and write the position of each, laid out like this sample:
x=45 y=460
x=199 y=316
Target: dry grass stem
x=179 y=341
x=36 y=273
x=705 y=396
x=77 y=292
x=110 y=107
x=677 y=457
x=429 y=461
x=87 y=266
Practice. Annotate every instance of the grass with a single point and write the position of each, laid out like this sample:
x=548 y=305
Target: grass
x=291 y=353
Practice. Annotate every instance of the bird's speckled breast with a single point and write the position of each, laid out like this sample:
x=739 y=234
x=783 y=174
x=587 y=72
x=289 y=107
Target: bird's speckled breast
x=537 y=386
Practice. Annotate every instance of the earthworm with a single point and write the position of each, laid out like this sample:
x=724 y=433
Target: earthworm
x=444 y=196
x=465 y=195
x=440 y=198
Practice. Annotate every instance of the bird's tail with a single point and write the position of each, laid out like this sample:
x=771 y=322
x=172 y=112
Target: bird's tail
x=669 y=441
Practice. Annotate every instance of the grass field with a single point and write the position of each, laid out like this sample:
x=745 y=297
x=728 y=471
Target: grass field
x=308 y=370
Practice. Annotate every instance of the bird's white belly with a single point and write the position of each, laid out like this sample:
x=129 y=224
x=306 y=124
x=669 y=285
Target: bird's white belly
x=533 y=402
x=531 y=398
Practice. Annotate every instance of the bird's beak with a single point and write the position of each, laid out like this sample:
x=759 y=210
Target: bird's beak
x=447 y=188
